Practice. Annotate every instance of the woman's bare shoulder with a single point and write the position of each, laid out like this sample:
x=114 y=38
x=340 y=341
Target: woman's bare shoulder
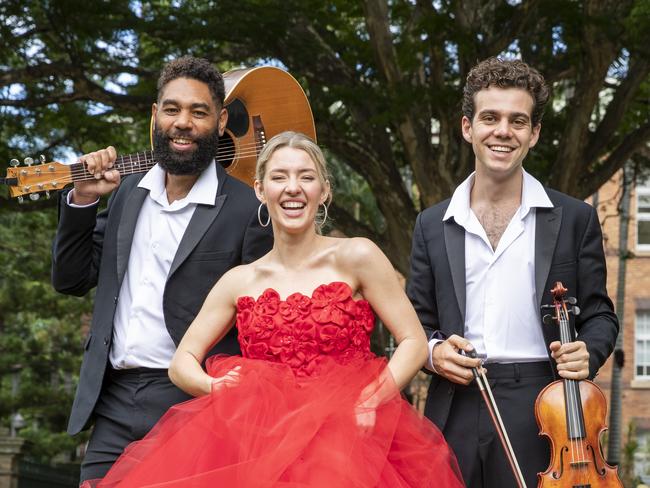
x=357 y=251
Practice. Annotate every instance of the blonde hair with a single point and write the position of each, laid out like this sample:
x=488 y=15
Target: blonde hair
x=295 y=140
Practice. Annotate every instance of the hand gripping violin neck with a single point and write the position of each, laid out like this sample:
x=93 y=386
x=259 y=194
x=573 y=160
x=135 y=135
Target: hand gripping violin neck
x=572 y=415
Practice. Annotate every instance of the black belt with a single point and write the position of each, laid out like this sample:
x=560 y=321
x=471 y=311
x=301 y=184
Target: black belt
x=518 y=370
x=137 y=373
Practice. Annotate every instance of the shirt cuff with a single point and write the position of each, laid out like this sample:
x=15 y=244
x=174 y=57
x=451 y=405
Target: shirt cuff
x=68 y=200
x=429 y=364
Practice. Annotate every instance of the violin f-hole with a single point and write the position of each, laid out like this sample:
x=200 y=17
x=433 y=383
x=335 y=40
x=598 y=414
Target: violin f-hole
x=558 y=474
x=599 y=469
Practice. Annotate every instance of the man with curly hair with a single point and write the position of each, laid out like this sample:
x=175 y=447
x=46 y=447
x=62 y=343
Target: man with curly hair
x=483 y=263
x=154 y=253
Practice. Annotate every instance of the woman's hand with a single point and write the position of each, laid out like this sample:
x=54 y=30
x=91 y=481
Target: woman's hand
x=228 y=380
x=366 y=415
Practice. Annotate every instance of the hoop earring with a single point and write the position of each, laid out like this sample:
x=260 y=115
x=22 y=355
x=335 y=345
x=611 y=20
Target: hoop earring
x=322 y=223
x=259 y=216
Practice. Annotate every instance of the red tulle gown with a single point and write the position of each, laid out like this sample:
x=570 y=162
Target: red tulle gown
x=291 y=420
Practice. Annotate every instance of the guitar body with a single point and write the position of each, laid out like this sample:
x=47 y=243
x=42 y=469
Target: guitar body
x=261 y=103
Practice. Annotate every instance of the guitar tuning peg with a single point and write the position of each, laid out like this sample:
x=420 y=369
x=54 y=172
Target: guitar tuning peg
x=34 y=196
x=47 y=194
x=547 y=319
x=572 y=300
x=14 y=162
x=42 y=158
x=21 y=199
x=29 y=161
x=575 y=310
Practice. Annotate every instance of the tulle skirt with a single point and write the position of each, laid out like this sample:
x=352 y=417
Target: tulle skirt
x=277 y=430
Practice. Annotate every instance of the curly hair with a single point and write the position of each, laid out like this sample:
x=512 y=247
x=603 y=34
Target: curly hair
x=197 y=69
x=506 y=74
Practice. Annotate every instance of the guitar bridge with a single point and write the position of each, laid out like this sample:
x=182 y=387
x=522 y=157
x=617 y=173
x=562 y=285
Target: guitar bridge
x=260 y=134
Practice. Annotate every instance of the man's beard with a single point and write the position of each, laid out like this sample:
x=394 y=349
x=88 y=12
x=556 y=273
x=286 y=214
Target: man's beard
x=187 y=163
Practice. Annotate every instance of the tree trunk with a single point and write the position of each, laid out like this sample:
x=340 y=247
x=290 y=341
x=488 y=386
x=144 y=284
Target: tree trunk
x=615 y=427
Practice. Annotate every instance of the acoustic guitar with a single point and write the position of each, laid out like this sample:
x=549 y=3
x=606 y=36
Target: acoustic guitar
x=261 y=103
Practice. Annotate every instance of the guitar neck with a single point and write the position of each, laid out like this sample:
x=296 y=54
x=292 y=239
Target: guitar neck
x=126 y=165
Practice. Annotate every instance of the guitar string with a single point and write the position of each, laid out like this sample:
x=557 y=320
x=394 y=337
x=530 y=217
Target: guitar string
x=243 y=149
x=81 y=170
x=80 y=173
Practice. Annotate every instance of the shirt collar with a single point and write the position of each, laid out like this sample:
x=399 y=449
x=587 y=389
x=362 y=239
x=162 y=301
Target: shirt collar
x=532 y=195
x=204 y=190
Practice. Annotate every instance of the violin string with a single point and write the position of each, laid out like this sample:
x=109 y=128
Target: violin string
x=567 y=385
x=574 y=407
x=572 y=400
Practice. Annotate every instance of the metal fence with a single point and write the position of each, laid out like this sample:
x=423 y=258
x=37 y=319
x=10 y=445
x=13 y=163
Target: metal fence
x=34 y=475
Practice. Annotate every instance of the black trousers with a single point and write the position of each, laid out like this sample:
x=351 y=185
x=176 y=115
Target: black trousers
x=471 y=434
x=130 y=403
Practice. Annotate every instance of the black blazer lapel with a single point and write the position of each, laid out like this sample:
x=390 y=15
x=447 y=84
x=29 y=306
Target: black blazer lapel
x=203 y=217
x=455 y=244
x=126 y=229
x=547 y=230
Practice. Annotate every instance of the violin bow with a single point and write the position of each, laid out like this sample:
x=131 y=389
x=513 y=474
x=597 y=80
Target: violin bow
x=486 y=393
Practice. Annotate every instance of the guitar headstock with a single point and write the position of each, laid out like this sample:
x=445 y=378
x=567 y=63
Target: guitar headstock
x=36 y=179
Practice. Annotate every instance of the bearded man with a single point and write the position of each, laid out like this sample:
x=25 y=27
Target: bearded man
x=154 y=253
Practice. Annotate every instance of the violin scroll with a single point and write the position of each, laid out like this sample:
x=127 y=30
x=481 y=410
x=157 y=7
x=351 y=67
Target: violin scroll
x=560 y=305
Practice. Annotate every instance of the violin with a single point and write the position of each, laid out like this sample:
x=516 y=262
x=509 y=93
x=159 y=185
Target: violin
x=572 y=415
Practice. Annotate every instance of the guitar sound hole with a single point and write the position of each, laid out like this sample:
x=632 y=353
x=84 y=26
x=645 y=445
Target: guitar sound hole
x=226 y=151
x=237 y=118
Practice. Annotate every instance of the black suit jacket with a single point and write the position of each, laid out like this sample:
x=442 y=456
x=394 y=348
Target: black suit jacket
x=92 y=249
x=568 y=248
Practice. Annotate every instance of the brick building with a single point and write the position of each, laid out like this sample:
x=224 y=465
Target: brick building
x=636 y=312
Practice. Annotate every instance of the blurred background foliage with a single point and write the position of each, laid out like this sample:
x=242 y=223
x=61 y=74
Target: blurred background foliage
x=384 y=80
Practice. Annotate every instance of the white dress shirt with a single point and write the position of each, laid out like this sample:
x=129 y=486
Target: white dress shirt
x=501 y=317
x=140 y=337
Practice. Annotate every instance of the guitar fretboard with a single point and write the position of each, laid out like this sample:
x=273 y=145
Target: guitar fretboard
x=125 y=165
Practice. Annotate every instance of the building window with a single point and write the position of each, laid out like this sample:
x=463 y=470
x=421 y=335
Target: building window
x=642 y=345
x=643 y=216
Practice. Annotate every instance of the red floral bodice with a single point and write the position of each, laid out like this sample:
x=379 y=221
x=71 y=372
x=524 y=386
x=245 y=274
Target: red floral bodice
x=300 y=331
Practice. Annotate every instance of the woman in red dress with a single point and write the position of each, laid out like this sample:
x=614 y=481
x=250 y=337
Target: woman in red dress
x=307 y=404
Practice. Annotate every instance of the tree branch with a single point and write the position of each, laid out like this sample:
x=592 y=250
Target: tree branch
x=346 y=223
x=518 y=22
x=599 y=54
x=382 y=41
x=616 y=109
x=632 y=143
